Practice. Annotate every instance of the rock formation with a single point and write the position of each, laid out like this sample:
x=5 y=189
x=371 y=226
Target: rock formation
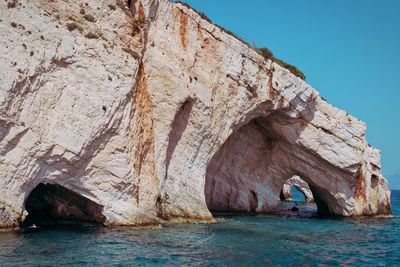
x=162 y=115
x=300 y=185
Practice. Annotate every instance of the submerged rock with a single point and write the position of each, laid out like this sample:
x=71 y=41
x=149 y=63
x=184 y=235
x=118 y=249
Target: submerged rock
x=162 y=115
x=294 y=208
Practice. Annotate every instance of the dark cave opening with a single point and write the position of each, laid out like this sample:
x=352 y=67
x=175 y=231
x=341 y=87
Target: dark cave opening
x=53 y=205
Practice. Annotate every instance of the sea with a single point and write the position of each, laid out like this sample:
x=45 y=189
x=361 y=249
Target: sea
x=285 y=239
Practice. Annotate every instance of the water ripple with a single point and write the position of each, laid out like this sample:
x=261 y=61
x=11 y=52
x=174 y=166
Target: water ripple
x=235 y=241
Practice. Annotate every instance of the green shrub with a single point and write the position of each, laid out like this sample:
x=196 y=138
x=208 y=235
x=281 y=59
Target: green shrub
x=267 y=54
x=233 y=34
x=139 y=22
x=293 y=69
x=111 y=7
x=13 y=24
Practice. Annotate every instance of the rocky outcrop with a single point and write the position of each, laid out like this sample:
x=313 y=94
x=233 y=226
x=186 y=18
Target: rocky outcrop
x=164 y=116
x=300 y=185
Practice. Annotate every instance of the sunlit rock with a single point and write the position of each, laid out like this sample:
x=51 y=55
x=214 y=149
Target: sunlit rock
x=164 y=116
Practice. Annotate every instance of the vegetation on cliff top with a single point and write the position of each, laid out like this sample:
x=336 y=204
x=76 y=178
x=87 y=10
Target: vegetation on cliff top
x=265 y=52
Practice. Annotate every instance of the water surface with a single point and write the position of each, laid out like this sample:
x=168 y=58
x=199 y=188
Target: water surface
x=236 y=241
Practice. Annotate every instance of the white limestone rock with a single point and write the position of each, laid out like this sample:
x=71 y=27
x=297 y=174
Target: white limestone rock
x=152 y=119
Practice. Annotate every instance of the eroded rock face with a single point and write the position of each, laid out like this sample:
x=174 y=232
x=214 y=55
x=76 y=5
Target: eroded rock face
x=67 y=104
x=163 y=116
x=300 y=185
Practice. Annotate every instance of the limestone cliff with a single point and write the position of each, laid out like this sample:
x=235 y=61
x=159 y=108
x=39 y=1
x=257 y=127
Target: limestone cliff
x=161 y=115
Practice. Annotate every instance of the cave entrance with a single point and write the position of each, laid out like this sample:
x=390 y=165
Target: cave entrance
x=52 y=205
x=247 y=172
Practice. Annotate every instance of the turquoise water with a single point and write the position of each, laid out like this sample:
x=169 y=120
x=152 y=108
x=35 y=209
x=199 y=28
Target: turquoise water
x=236 y=240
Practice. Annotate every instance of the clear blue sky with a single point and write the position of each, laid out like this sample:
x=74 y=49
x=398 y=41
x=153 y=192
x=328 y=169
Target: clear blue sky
x=348 y=49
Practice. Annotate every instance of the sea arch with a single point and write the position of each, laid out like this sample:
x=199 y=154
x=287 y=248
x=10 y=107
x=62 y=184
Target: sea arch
x=300 y=185
x=247 y=173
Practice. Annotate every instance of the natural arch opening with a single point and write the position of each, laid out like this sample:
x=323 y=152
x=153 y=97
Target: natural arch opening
x=291 y=193
x=246 y=174
x=296 y=196
x=51 y=205
x=293 y=188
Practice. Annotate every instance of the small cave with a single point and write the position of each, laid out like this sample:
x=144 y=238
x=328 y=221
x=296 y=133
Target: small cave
x=54 y=205
x=321 y=199
x=374 y=181
x=253 y=201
